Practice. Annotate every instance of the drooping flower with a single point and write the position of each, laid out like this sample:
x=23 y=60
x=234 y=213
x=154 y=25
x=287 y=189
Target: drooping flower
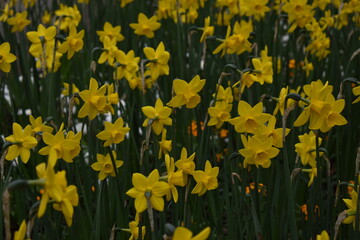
x=110 y=51
x=250 y=119
x=113 y=133
x=269 y=131
x=128 y=65
x=351 y=204
x=257 y=151
x=105 y=166
x=187 y=93
x=145 y=26
x=157 y=117
x=148 y=189
x=177 y=178
x=22 y=141
x=205 y=180
x=219 y=114
x=6 y=57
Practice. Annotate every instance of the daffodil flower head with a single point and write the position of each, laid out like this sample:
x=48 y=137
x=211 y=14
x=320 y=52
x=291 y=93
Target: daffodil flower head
x=205 y=180
x=145 y=26
x=186 y=163
x=110 y=32
x=22 y=140
x=105 y=166
x=351 y=204
x=158 y=58
x=6 y=57
x=148 y=189
x=182 y=233
x=113 y=133
x=258 y=151
x=157 y=116
x=165 y=145
x=306 y=149
x=250 y=119
x=69 y=200
x=37 y=126
x=187 y=93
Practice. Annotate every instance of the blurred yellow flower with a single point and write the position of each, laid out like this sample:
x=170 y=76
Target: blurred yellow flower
x=19 y=21
x=123 y=3
x=6 y=57
x=323 y=236
x=145 y=26
x=351 y=204
x=182 y=233
x=37 y=126
x=148 y=189
x=177 y=178
x=109 y=51
x=69 y=200
x=113 y=133
x=104 y=165
x=356 y=92
x=67 y=16
x=110 y=32
x=187 y=93
x=157 y=117
x=22 y=141
x=207 y=30
x=20 y=234
x=165 y=145
x=127 y=65
x=254 y=8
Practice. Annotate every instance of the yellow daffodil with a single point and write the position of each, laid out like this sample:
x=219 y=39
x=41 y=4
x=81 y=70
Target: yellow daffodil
x=333 y=117
x=73 y=42
x=123 y=3
x=46 y=18
x=257 y=151
x=43 y=36
x=109 y=53
x=165 y=145
x=58 y=146
x=356 y=92
x=148 y=189
x=262 y=70
x=256 y=8
x=19 y=21
x=7 y=11
x=312 y=174
x=54 y=185
x=280 y=105
x=182 y=233
x=351 y=204
x=299 y=12
x=319 y=45
x=128 y=65
x=269 y=131
x=173 y=178
x=323 y=236
x=158 y=60
x=207 y=30
x=186 y=163
x=250 y=119
x=110 y=32
x=238 y=42
x=94 y=99
x=20 y=234
x=104 y=165
x=66 y=91
x=223 y=95
x=134 y=229
x=37 y=126
x=205 y=180
x=219 y=114
x=187 y=93
x=67 y=16
x=69 y=200
x=145 y=26
x=113 y=133
x=6 y=57
x=22 y=143
x=307 y=148
x=157 y=117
